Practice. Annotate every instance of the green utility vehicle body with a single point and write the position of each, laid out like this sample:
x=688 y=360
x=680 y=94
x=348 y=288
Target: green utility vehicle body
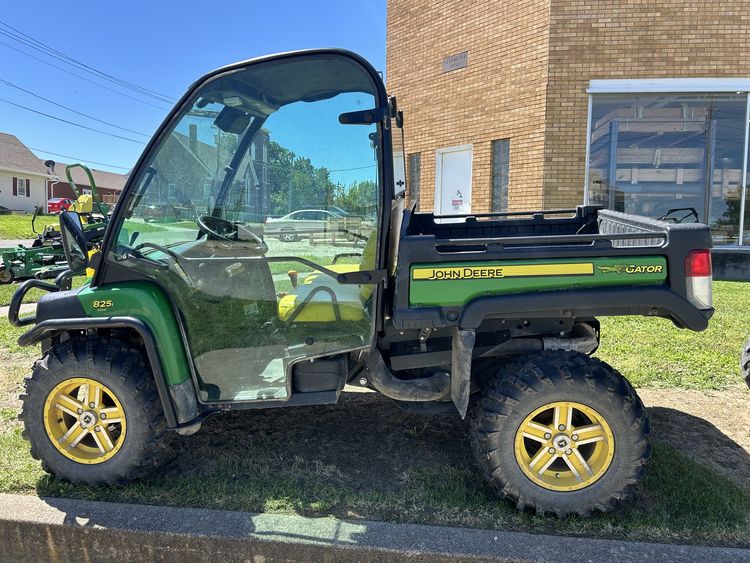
x=490 y=316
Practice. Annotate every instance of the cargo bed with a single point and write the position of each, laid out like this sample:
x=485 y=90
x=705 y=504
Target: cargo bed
x=576 y=263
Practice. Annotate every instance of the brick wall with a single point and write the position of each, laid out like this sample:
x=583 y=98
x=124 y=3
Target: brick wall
x=499 y=94
x=63 y=189
x=592 y=39
x=529 y=64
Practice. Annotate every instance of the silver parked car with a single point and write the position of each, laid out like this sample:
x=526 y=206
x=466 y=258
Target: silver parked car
x=300 y=223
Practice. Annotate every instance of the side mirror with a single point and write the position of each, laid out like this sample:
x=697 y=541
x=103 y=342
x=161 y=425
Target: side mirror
x=74 y=242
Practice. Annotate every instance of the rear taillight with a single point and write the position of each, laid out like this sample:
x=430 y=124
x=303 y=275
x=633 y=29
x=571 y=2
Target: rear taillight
x=698 y=278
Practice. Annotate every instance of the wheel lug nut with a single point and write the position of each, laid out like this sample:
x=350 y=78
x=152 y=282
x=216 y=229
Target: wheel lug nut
x=547 y=436
x=80 y=411
x=97 y=428
x=575 y=436
x=551 y=450
x=103 y=416
x=561 y=427
x=568 y=451
x=92 y=405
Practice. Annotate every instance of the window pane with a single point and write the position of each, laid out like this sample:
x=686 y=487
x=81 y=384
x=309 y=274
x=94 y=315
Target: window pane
x=500 y=170
x=415 y=162
x=669 y=156
x=727 y=136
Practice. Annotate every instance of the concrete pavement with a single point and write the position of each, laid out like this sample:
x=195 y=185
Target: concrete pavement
x=34 y=529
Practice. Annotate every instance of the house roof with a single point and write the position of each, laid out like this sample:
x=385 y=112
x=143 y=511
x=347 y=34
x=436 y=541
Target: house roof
x=16 y=156
x=108 y=180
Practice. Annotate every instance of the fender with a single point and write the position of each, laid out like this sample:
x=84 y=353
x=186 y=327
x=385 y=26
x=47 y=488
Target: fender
x=140 y=306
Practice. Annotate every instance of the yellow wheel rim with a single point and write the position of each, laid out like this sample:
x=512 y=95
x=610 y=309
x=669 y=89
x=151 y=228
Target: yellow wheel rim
x=564 y=446
x=84 y=420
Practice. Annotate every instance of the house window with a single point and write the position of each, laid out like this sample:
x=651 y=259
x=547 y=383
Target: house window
x=677 y=156
x=22 y=187
x=500 y=171
x=414 y=163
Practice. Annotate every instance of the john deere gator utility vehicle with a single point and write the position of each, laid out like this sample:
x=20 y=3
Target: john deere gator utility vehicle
x=487 y=316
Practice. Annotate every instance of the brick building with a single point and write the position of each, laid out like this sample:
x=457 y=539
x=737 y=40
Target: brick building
x=639 y=105
x=109 y=185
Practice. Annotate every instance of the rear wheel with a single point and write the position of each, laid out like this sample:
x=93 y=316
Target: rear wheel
x=288 y=236
x=6 y=275
x=560 y=432
x=92 y=414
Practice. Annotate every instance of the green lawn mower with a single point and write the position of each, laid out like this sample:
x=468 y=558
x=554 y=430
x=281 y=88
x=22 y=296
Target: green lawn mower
x=45 y=257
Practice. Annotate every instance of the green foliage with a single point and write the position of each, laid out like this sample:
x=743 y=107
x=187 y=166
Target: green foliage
x=298 y=184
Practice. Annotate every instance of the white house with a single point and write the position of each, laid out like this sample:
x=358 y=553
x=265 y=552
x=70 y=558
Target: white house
x=23 y=178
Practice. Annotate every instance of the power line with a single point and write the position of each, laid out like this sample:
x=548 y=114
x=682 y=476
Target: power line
x=82 y=77
x=355 y=168
x=37 y=45
x=82 y=159
x=71 y=109
x=71 y=122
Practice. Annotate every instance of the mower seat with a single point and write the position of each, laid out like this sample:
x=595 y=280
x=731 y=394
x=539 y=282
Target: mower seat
x=84 y=204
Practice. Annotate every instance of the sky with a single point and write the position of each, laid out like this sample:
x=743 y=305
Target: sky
x=162 y=46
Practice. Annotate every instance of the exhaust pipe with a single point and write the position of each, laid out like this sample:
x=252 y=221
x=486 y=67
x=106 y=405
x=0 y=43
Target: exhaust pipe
x=434 y=388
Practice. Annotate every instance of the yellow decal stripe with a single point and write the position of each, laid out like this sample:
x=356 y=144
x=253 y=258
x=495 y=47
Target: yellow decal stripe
x=494 y=272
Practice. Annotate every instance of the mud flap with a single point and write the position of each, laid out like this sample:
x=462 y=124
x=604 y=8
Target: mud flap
x=463 y=348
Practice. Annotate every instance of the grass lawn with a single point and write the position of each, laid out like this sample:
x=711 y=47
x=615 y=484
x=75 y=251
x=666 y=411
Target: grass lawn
x=18 y=225
x=651 y=351
x=364 y=458
x=7 y=291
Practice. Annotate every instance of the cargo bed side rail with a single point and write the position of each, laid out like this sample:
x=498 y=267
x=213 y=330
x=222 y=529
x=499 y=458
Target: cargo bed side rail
x=657 y=240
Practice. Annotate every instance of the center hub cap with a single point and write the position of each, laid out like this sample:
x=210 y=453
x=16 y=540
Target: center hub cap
x=561 y=442
x=88 y=419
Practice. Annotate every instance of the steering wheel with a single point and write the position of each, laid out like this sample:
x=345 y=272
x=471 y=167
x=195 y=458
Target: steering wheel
x=221 y=229
x=217 y=227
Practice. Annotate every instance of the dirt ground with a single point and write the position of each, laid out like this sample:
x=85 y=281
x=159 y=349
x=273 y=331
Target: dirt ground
x=711 y=427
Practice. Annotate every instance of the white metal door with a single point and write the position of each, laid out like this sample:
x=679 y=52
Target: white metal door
x=453 y=181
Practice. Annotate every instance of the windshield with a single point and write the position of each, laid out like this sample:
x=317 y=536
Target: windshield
x=255 y=145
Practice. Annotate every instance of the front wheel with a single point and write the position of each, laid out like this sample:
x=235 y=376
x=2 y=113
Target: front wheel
x=560 y=432
x=92 y=413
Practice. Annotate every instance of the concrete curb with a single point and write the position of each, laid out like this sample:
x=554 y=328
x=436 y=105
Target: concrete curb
x=52 y=529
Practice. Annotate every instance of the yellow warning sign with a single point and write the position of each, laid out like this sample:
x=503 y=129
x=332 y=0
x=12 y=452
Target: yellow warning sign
x=494 y=272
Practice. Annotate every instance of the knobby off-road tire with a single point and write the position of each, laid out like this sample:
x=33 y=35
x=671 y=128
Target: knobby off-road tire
x=116 y=376
x=745 y=362
x=548 y=383
x=6 y=275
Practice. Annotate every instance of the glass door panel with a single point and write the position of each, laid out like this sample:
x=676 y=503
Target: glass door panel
x=246 y=212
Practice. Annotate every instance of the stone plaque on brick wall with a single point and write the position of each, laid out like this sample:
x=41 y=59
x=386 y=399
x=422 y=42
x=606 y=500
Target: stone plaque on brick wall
x=454 y=62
